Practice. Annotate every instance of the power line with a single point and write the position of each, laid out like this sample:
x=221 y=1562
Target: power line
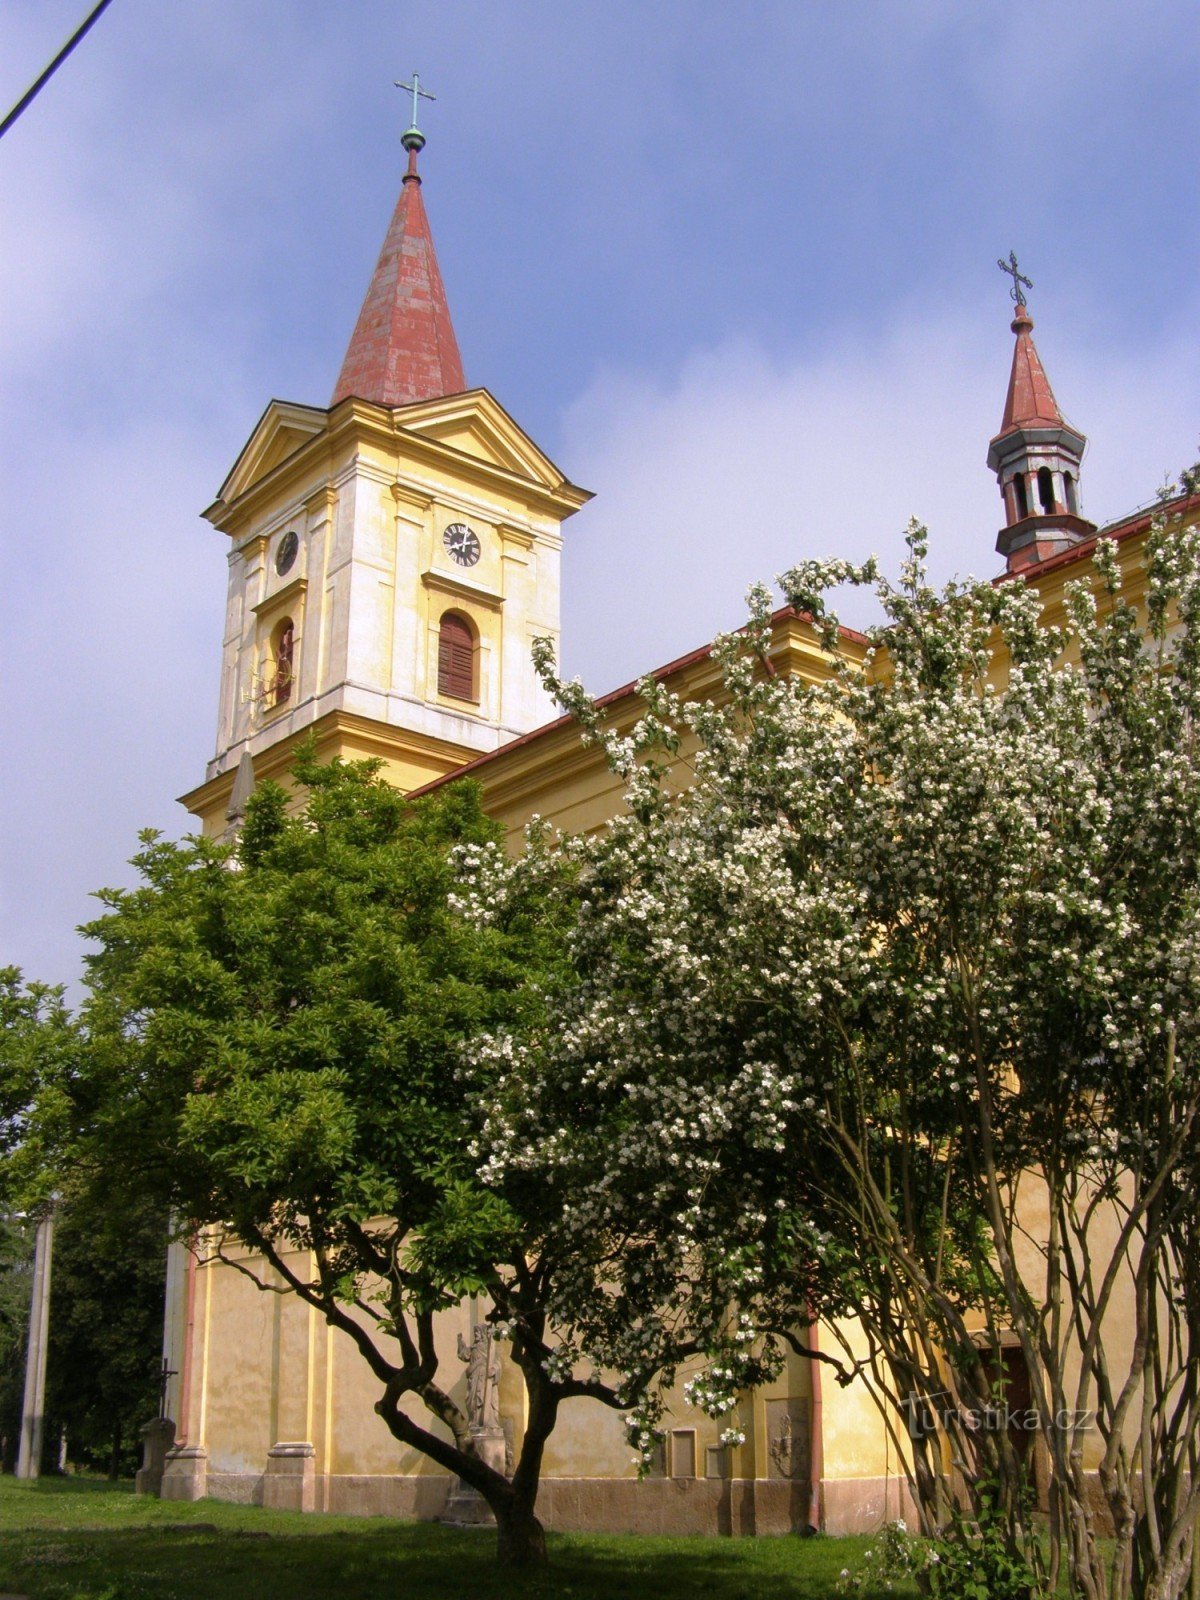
x=35 y=88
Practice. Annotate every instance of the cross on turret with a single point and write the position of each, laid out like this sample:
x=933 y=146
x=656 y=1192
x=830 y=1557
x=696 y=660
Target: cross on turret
x=414 y=88
x=1009 y=266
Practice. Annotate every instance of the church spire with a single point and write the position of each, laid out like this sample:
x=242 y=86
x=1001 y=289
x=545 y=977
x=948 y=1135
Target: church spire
x=403 y=347
x=1036 y=456
x=1030 y=402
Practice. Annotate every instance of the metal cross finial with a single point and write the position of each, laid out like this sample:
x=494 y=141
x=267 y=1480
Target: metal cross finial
x=164 y=1377
x=414 y=88
x=1018 y=278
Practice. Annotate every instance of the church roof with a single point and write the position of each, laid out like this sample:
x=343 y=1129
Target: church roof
x=627 y=691
x=1030 y=402
x=403 y=347
x=1182 y=508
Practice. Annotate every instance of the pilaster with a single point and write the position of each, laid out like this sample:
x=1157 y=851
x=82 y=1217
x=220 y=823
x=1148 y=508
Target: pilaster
x=289 y=1483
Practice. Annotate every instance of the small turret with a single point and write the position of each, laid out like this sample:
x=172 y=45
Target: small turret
x=1036 y=456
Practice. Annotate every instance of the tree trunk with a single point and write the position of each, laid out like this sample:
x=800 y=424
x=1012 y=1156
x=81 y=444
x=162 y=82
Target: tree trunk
x=521 y=1539
x=114 y=1455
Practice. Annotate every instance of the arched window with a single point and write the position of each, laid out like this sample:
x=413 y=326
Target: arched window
x=283 y=650
x=456 y=658
x=1045 y=482
x=1022 y=497
x=1069 y=487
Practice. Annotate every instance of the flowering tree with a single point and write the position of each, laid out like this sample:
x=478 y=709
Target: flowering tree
x=882 y=997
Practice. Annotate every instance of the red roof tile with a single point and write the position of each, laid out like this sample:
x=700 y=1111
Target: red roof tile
x=1030 y=402
x=403 y=347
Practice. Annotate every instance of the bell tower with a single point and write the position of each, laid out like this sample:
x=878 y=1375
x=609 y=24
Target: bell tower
x=392 y=556
x=1037 y=455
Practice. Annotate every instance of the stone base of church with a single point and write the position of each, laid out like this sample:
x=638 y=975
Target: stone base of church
x=863 y=1505
x=737 y=1507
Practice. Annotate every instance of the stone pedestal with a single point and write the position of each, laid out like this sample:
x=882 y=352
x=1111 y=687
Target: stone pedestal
x=466 y=1507
x=290 y=1483
x=157 y=1438
x=185 y=1476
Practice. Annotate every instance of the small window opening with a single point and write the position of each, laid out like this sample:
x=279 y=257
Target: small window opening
x=456 y=658
x=1045 y=480
x=1069 y=490
x=1022 y=496
x=283 y=652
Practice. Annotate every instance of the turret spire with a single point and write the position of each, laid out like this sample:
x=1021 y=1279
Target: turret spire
x=1036 y=455
x=403 y=348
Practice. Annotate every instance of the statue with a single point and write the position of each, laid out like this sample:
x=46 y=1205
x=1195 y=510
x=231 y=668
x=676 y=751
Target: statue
x=491 y=1440
x=483 y=1378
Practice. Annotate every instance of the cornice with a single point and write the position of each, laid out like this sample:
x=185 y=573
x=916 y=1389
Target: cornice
x=360 y=421
x=230 y=516
x=414 y=499
x=563 y=499
x=462 y=589
x=375 y=738
x=521 y=539
x=321 y=500
x=281 y=599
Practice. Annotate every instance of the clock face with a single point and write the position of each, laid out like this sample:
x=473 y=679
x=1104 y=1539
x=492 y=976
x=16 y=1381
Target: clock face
x=462 y=544
x=285 y=556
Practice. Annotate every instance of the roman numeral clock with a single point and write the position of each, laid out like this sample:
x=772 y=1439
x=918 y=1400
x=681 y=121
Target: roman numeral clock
x=462 y=544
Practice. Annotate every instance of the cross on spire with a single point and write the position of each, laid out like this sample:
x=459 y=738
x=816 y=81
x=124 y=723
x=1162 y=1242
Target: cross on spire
x=1009 y=266
x=414 y=88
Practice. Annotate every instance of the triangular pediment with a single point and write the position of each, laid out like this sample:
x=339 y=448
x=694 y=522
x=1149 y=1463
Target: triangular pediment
x=283 y=428
x=476 y=424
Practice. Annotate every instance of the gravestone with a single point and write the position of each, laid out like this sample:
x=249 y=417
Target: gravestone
x=157 y=1438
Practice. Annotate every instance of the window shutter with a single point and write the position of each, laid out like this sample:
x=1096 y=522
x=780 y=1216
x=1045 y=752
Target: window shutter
x=456 y=659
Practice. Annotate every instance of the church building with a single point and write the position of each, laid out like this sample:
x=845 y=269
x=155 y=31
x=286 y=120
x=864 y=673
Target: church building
x=391 y=558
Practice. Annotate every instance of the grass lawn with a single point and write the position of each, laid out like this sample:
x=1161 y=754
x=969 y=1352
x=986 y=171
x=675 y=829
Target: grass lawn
x=80 y=1539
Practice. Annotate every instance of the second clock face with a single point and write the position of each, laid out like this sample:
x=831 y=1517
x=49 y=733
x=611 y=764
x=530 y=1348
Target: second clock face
x=462 y=544
x=285 y=556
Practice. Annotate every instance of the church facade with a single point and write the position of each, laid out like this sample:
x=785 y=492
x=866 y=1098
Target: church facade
x=391 y=558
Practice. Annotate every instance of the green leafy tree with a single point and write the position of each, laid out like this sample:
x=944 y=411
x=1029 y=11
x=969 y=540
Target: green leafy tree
x=883 y=997
x=37 y=1047
x=106 y=1320
x=16 y=1279
x=38 y=1041
x=273 y=1051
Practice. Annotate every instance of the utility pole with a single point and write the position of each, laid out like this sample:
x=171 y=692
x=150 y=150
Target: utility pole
x=29 y=1458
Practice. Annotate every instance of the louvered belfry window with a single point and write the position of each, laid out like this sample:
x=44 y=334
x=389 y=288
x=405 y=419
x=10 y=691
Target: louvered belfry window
x=456 y=658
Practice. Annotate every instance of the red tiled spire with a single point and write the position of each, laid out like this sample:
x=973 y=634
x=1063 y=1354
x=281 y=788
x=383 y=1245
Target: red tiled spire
x=1030 y=402
x=403 y=347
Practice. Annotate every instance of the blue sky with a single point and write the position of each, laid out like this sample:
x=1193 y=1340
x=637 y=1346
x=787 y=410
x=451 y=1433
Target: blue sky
x=733 y=267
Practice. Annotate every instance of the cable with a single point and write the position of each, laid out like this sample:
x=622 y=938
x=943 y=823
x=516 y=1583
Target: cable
x=35 y=88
